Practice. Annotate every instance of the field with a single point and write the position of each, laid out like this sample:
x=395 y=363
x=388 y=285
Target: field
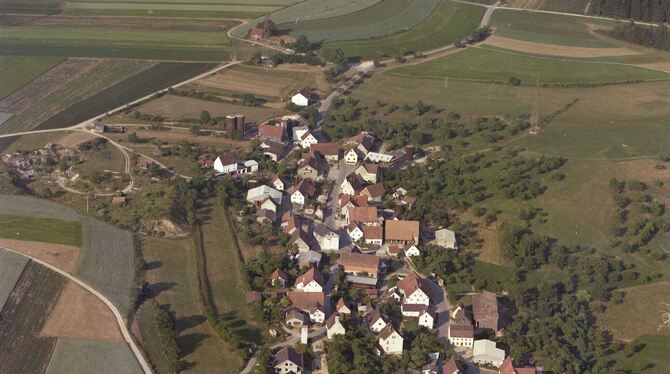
x=652 y=358
x=569 y=6
x=615 y=54
x=548 y=28
x=61 y=256
x=384 y=18
x=449 y=22
x=107 y=158
x=15 y=71
x=22 y=350
x=11 y=267
x=107 y=261
x=173 y=281
x=475 y=64
x=79 y=356
x=32 y=207
x=40 y=229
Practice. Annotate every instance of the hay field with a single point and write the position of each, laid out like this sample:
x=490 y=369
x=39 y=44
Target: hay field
x=553 y=50
x=32 y=207
x=61 y=256
x=11 y=267
x=82 y=356
x=16 y=71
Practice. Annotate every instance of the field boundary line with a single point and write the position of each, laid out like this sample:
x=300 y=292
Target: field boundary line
x=119 y=319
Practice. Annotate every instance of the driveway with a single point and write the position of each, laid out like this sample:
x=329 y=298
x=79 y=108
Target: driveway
x=337 y=175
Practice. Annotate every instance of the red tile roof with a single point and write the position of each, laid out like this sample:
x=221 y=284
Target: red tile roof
x=411 y=283
x=228 y=158
x=306 y=300
x=310 y=275
x=373 y=232
x=271 y=131
x=326 y=149
x=402 y=230
x=364 y=214
x=358 y=262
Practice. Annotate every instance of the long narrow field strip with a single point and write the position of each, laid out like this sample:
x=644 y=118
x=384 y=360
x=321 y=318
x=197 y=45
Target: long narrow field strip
x=61 y=256
x=16 y=71
x=82 y=356
x=31 y=6
x=475 y=64
x=449 y=22
x=171 y=6
x=40 y=229
x=553 y=50
x=11 y=267
x=31 y=207
x=384 y=18
x=22 y=350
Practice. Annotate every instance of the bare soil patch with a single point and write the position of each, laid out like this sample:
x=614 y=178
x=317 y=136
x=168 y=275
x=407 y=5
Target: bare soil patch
x=73 y=139
x=61 y=256
x=79 y=314
x=555 y=50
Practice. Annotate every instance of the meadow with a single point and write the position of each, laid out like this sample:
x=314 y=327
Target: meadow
x=11 y=267
x=449 y=22
x=16 y=71
x=81 y=356
x=40 y=229
x=31 y=207
x=652 y=357
x=476 y=64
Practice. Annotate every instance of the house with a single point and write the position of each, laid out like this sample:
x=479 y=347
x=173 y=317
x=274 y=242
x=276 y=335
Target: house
x=303 y=98
x=297 y=132
x=375 y=321
x=307 y=139
x=258 y=195
x=334 y=326
x=296 y=318
x=387 y=160
x=351 y=157
x=305 y=189
x=258 y=33
x=269 y=204
x=412 y=310
x=452 y=367
x=355 y=232
x=508 y=367
x=374 y=192
x=360 y=264
x=427 y=318
x=287 y=361
x=273 y=150
x=393 y=250
x=461 y=335
x=484 y=351
x=279 y=278
x=460 y=317
x=368 y=172
x=401 y=232
x=309 y=258
x=348 y=201
x=415 y=290
x=309 y=302
x=363 y=143
x=301 y=240
x=310 y=281
x=327 y=239
x=390 y=340
x=279 y=183
x=373 y=234
x=118 y=200
x=272 y=133
x=408 y=201
x=226 y=163
x=351 y=185
x=329 y=151
x=317 y=313
x=342 y=308
x=290 y=223
x=253 y=296
x=412 y=250
x=485 y=310
x=144 y=163
x=312 y=166
x=365 y=215
x=445 y=238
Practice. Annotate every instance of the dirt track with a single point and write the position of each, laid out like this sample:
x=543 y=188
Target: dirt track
x=555 y=50
x=61 y=256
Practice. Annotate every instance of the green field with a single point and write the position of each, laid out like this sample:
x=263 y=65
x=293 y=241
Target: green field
x=31 y=6
x=31 y=207
x=80 y=356
x=40 y=229
x=384 y=18
x=488 y=65
x=449 y=22
x=15 y=71
x=11 y=267
x=653 y=358
x=547 y=28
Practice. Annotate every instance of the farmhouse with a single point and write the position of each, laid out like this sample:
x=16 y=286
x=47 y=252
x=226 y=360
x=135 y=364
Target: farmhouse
x=348 y=201
x=351 y=157
x=461 y=335
x=304 y=97
x=296 y=318
x=279 y=183
x=288 y=361
x=374 y=192
x=273 y=150
x=351 y=185
x=301 y=240
x=269 y=204
x=452 y=367
x=334 y=326
x=309 y=302
x=304 y=190
x=327 y=239
x=375 y=321
x=310 y=258
x=308 y=139
x=484 y=351
x=390 y=340
x=312 y=166
x=412 y=250
x=401 y=232
x=427 y=318
x=368 y=172
x=342 y=308
x=485 y=310
x=258 y=33
x=414 y=289
x=355 y=232
x=373 y=234
x=357 y=263
x=310 y=281
x=365 y=215
x=508 y=367
x=272 y=133
x=227 y=164
x=329 y=151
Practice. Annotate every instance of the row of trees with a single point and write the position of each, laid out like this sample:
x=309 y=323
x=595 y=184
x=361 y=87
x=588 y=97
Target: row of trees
x=655 y=37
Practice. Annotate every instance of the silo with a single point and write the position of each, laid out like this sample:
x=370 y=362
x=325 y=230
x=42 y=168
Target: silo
x=231 y=123
x=241 y=123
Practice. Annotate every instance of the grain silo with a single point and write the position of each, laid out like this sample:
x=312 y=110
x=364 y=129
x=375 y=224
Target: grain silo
x=231 y=123
x=241 y=123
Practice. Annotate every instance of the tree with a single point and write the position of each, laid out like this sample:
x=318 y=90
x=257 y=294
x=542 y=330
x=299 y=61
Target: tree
x=133 y=138
x=205 y=116
x=194 y=129
x=302 y=45
x=264 y=362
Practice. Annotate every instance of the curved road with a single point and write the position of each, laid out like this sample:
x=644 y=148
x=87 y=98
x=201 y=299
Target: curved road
x=119 y=319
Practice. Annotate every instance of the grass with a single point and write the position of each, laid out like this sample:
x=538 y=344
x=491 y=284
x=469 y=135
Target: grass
x=172 y=277
x=547 y=28
x=653 y=358
x=80 y=356
x=40 y=229
x=449 y=22
x=384 y=18
x=107 y=261
x=106 y=158
x=11 y=267
x=36 y=208
x=476 y=64
x=16 y=71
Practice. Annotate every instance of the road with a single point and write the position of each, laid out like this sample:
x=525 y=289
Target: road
x=334 y=195
x=119 y=319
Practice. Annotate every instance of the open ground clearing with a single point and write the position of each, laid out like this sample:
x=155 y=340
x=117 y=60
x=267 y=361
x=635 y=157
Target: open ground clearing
x=40 y=229
x=80 y=314
x=107 y=157
x=449 y=22
x=475 y=64
x=173 y=281
x=11 y=267
x=61 y=256
x=553 y=50
x=640 y=312
x=82 y=356
x=175 y=108
x=384 y=18
x=22 y=350
x=16 y=71
x=548 y=28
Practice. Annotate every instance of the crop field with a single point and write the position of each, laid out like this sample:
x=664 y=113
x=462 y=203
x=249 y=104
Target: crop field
x=475 y=64
x=31 y=6
x=15 y=71
x=61 y=256
x=22 y=350
x=653 y=357
x=615 y=54
x=40 y=229
x=81 y=356
x=548 y=28
x=449 y=22
x=568 y=6
x=384 y=18
x=173 y=281
x=32 y=207
x=11 y=267
x=192 y=9
x=107 y=261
